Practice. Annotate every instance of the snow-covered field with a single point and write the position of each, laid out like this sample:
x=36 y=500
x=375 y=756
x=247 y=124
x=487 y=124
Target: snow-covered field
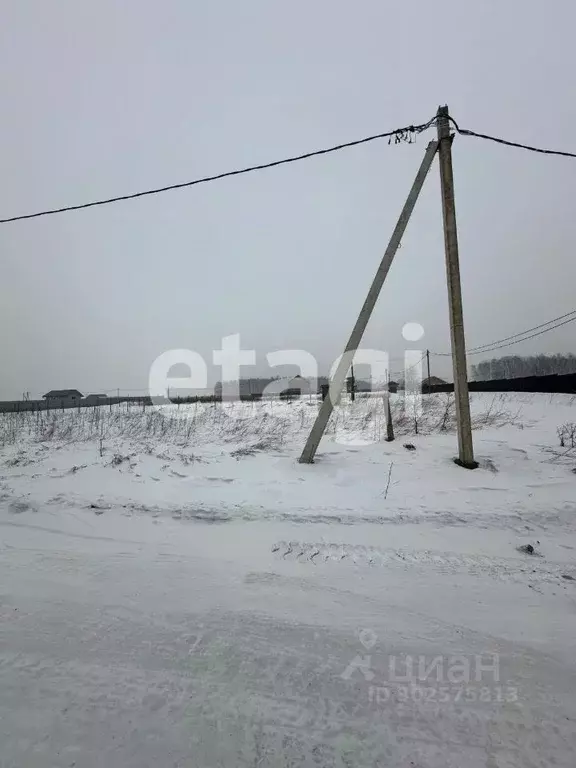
x=176 y=590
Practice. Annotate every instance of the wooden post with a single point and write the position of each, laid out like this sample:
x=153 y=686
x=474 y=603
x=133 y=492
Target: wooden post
x=352 y=384
x=389 y=424
x=428 y=367
x=337 y=382
x=464 y=424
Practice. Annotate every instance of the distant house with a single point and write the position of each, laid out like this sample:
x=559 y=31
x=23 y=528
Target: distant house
x=245 y=388
x=393 y=387
x=257 y=387
x=433 y=381
x=62 y=398
x=95 y=399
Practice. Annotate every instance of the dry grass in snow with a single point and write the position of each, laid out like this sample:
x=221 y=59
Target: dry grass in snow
x=252 y=426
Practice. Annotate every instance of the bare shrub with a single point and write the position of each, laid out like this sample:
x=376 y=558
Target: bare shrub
x=448 y=413
x=118 y=459
x=268 y=444
x=567 y=435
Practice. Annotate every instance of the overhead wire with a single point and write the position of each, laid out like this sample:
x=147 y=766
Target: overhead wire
x=528 y=330
x=406 y=370
x=508 y=143
x=532 y=336
x=509 y=341
x=401 y=135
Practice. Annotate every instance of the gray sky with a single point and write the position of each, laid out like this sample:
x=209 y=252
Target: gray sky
x=104 y=98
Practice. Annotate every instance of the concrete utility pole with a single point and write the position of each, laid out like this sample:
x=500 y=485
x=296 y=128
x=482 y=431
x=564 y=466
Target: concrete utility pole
x=428 y=367
x=458 y=341
x=337 y=382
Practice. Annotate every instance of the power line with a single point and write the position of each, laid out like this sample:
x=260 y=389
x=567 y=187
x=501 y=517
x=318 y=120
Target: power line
x=509 y=341
x=404 y=372
x=466 y=132
x=401 y=135
x=528 y=330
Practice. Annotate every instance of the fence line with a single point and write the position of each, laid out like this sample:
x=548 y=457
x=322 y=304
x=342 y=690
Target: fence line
x=552 y=383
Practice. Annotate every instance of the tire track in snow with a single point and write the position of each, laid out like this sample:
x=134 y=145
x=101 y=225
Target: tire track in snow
x=508 y=569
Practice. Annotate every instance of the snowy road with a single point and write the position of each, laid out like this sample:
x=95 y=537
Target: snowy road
x=176 y=591
x=128 y=643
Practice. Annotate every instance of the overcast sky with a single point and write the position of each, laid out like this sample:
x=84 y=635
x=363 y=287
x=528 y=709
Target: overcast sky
x=105 y=98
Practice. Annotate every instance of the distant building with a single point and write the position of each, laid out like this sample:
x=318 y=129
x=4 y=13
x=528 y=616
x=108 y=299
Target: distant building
x=393 y=387
x=273 y=387
x=95 y=399
x=433 y=381
x=60 y=398
x=297 y=386
x=359 y=385
x=245 y=388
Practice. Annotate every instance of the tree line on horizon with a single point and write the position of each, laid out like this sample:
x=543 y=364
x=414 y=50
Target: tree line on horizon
x=516 y=366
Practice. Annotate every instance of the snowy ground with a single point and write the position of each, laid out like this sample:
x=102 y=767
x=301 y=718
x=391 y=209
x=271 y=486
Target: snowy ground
x=176 y=590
